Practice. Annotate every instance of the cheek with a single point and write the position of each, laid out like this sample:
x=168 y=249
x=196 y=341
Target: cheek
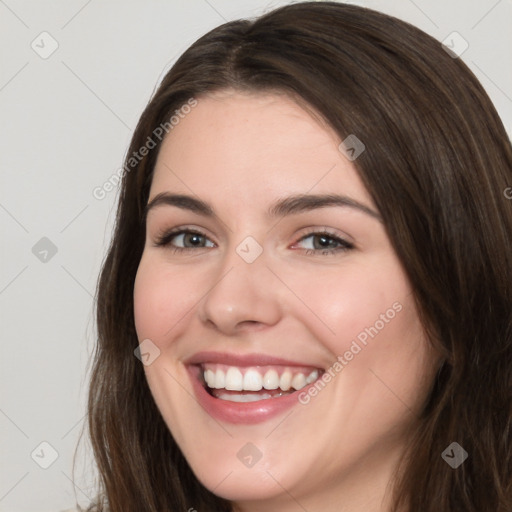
x=162 y=299
x=355 y=303
x=378 y=343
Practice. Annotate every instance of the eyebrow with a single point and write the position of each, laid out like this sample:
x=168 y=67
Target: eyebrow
x=291 y=205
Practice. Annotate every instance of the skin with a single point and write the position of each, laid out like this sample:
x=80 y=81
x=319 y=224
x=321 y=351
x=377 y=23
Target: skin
x=240 y=152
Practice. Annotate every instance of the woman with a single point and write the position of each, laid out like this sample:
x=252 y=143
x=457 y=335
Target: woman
x=311 y=265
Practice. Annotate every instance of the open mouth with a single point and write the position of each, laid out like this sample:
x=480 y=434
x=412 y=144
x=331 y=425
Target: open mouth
x=254 y=383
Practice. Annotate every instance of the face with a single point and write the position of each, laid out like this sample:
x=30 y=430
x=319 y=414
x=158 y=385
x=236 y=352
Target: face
x=285 y=351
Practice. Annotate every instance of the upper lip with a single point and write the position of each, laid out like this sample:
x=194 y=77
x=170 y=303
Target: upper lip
x=241 y=360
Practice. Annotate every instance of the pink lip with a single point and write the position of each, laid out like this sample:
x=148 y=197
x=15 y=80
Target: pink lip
x=237 y=412
x=241 y=359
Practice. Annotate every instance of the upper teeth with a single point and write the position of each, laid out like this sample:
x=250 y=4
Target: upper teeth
x=255 y=379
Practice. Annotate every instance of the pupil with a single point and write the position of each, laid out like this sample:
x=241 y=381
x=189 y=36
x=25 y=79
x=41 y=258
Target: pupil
x=193 y=239
x=325 y=242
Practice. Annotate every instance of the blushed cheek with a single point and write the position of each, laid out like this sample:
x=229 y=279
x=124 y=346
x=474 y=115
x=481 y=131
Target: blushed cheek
x=160 y=301
x=358 y=307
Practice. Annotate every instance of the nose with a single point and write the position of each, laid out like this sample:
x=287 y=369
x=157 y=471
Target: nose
x=243 y=296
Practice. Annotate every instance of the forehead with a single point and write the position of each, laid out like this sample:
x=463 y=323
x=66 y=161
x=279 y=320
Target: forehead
x=253 y=145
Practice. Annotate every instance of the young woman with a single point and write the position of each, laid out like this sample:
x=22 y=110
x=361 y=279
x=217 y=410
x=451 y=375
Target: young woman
x=306 y=304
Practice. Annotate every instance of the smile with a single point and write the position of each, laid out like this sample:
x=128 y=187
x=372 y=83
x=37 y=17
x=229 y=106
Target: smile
x=250 y=388
x=250 y=384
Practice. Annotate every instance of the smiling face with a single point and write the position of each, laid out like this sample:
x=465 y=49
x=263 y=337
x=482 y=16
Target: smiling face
x=267 y=268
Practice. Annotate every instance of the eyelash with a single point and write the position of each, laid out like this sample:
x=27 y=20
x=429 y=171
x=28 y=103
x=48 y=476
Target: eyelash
x=164 y=240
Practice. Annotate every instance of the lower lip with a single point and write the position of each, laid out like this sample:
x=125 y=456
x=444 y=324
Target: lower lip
x=240 y=412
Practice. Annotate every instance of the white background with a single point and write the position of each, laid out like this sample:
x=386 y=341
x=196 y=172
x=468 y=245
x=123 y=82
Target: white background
x=66 y=122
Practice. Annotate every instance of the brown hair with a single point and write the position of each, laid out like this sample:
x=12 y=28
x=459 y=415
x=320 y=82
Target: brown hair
x=437 y=162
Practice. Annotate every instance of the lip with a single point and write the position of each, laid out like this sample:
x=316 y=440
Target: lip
x=241 y=359
x=240 y=412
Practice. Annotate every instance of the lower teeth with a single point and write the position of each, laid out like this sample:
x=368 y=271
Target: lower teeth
x=246 y=397
x=243 y=398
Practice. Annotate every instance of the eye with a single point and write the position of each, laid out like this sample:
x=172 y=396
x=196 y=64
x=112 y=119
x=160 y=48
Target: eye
x=323 y=243
x=314 y=243
x=183 y=240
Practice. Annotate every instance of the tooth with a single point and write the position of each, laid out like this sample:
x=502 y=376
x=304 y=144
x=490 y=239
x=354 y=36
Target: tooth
x=209 y=377
x=299 y=381
x=244 y=398
x=234 y=379
x=220 y=379
x=285 y=382
x=252 y=380
x=312 y=377
x=271 y=380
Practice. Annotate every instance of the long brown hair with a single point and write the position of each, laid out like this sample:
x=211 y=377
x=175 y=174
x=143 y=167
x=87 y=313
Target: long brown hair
x=437 y=163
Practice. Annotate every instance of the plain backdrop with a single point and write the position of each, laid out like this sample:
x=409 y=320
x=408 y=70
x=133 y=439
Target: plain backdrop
x=75 y=76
